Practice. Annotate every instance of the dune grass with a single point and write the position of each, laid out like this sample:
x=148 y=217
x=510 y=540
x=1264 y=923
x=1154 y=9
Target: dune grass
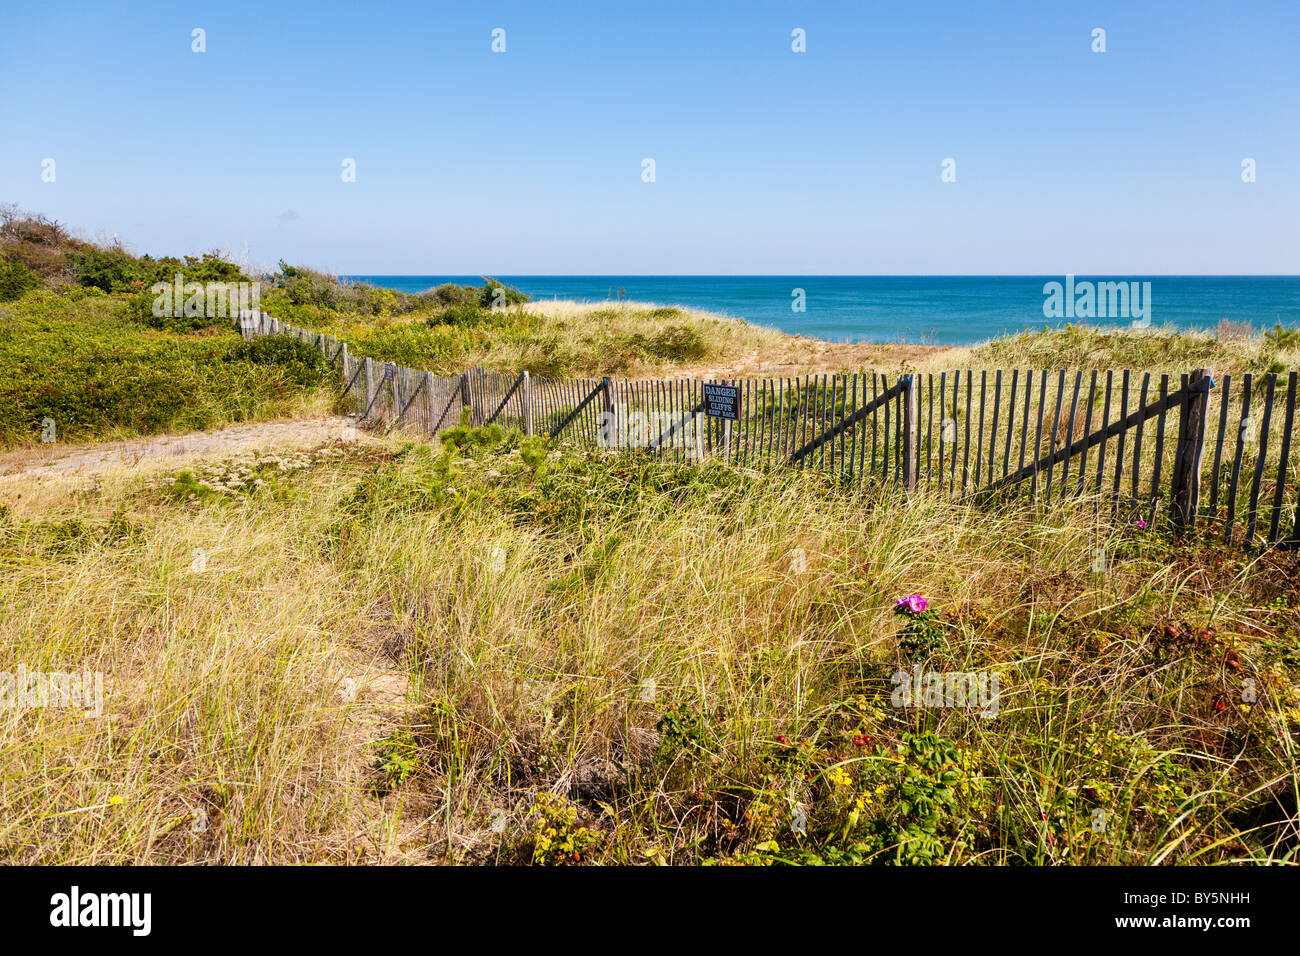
x=557 y=339
x=609 y=659
x=1157 y=350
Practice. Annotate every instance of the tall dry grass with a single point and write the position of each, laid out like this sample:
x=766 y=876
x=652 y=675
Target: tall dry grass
x=684 y=659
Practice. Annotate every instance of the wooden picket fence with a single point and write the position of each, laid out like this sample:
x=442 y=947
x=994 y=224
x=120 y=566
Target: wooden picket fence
x=1150 y=449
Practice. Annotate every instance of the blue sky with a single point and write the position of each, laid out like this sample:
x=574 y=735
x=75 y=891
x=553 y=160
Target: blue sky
x=767 y=161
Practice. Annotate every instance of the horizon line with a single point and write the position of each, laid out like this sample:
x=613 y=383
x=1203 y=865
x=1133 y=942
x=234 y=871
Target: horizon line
x=820 y=275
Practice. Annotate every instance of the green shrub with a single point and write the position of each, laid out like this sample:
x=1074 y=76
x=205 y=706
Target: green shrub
x=176 y=318
x=308 y=287
x=397 y=759
x=302 y=363
x=15 y=280
x=465 y=438
x=496 y=294
x=533 y=452
x=209 y=267
x=451 y=294
x=465 y=314
x=81 y=361
x=1283 y=337
x=113 y=269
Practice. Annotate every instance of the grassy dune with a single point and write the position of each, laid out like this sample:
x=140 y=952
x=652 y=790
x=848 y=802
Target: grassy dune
x=485 y=654
x=495 y=651
x=98 y=365
x=643 y=340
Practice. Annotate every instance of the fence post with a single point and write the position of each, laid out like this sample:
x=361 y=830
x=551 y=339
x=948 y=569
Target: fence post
x=1191 y=445
x=610 y=428
x=698 y=434
x=726 y=431
x=391 y=401
x=528 y=403
x=347 y=364
x=466 y=400
x=911 y=430
x=428 y=400
x=370 y=384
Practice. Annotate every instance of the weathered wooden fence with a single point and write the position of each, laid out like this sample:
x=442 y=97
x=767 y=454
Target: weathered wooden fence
x=1151 y=448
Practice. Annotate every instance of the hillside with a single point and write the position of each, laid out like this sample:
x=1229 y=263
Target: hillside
x=82 y=347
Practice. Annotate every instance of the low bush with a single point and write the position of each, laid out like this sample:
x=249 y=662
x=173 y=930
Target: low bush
x=15 y=280
x=496 y=295
x=113 y=269
x=302 y=363
x=84 y=363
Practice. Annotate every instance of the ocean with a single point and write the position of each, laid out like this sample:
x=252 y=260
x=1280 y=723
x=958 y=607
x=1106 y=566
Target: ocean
x=941 y=310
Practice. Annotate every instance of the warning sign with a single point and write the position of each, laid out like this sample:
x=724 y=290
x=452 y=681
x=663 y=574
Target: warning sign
x=722 y=401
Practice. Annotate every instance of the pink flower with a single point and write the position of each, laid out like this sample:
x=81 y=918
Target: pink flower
x=1141 y=525
x=912 y=604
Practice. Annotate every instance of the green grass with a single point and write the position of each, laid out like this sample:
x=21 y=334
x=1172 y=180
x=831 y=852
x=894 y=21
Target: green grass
x=547 y=340
x=1147 y=350
x=79 y=359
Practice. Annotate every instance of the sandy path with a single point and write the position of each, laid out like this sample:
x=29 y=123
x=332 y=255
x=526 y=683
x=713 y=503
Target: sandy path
x=75 y=460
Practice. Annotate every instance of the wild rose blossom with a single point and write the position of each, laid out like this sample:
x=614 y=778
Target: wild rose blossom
x=912 y=604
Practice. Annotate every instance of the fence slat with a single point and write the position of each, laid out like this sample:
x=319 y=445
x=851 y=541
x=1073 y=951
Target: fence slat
x=1243 y=424
x=1134 y=477
x=1213 y=510
x=1191 y=447
x=1056 y=427
x=1011 y=423
x=1024 y=422
x=1119 y=442
x=1252 y=516
x=1285 y=455
x=1069 y=434
x=1038 y=433
x=1105 y=424
x=1087 y=428
x=966 y=416
x=1159 y=453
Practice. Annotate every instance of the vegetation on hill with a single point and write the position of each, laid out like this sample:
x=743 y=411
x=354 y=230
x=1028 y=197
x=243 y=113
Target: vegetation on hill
x=75 y=362
x=492 y=650
x=495 y=652
x=85 y=347
x=84 y=354
x=1231 y=348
